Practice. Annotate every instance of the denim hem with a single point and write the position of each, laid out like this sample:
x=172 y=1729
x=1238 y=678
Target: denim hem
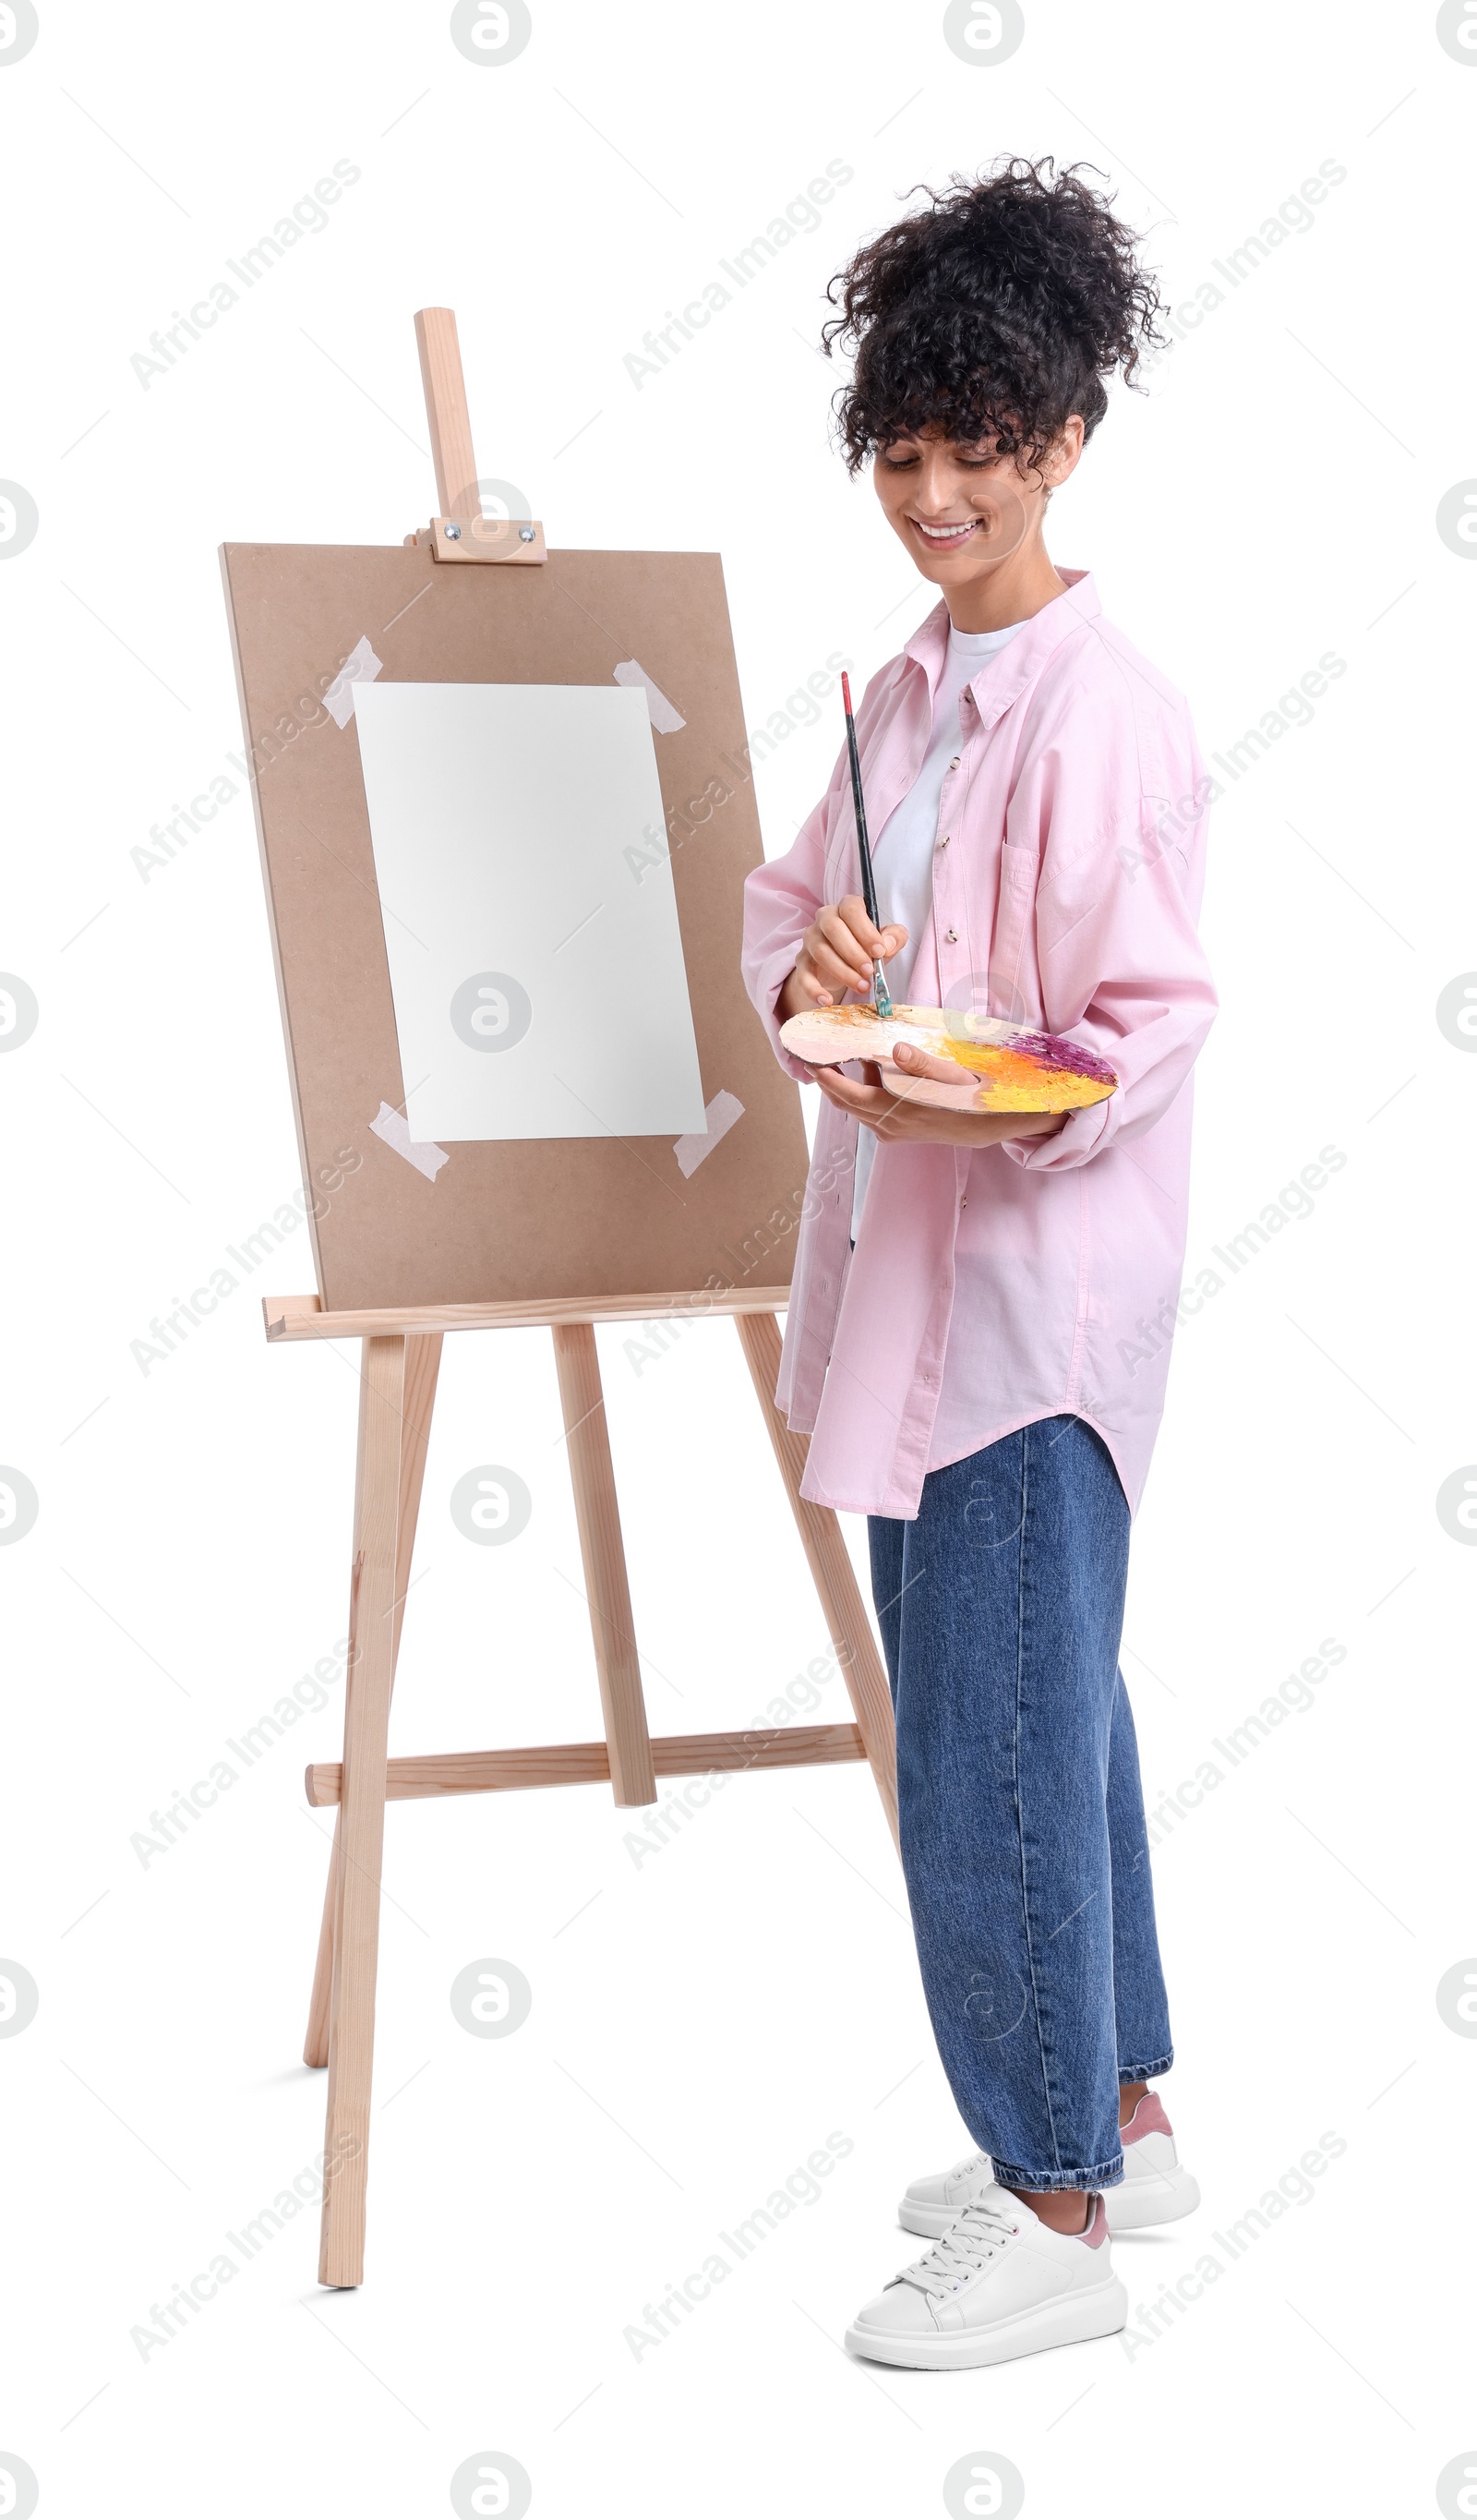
x=1145 y=2073
x=1106 y=2174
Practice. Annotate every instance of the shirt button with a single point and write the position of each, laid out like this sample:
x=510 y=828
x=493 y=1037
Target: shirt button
x=950 y=936
x=954 y=764
x=944 y=843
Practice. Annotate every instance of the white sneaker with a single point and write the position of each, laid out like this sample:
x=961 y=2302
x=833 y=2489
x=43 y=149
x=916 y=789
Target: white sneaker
x=1154 y=2187
x=999 y=2283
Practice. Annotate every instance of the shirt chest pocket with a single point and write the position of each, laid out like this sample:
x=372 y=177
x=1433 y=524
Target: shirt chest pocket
x=1014 y=912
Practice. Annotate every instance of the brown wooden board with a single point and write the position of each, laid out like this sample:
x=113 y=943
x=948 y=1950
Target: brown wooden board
x=525 y=1220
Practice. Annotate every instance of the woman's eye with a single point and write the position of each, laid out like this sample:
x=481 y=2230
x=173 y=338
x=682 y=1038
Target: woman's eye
x=898 y=463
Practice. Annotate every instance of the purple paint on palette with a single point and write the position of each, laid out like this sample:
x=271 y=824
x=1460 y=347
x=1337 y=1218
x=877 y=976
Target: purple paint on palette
x=1052 y=1051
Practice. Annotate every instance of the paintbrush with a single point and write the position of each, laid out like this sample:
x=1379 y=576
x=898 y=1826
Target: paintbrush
x=881 y=997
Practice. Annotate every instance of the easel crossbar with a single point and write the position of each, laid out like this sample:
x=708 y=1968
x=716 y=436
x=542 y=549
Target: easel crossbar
x=588 y=1763
x=303 y=1316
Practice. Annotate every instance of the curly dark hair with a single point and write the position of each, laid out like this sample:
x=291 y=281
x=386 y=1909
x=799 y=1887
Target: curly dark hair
x=997 y=311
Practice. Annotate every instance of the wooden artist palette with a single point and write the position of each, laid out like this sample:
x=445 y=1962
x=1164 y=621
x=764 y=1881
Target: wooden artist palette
x=1004 y=1070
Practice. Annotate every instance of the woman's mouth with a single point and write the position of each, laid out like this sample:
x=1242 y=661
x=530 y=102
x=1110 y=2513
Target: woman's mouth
x=951 y=535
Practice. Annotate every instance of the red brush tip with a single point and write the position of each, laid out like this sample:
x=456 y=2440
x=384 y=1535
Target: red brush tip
x=846 y=694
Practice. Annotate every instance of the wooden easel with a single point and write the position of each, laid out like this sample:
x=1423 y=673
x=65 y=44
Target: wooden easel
x=402 y=1350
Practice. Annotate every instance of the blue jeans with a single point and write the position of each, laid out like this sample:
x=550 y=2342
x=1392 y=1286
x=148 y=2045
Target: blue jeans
x=1019 y=1804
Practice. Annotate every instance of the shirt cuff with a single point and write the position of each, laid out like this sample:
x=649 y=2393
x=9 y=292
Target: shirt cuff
x=1076 y=1142
x=771 y=978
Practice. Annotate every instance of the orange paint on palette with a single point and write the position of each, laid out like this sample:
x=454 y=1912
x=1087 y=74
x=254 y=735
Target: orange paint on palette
x=1023 y=1083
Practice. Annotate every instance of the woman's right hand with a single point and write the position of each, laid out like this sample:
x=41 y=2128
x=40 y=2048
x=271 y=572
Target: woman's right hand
x=838 y=953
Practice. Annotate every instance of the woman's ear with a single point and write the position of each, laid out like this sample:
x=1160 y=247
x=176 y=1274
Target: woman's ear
x=1060 y=458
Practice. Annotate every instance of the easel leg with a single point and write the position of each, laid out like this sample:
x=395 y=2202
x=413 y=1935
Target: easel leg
x=356 y=1875
x=603 y=1556
x=315 y=2046
x=821 y=1536
x=422 y=1358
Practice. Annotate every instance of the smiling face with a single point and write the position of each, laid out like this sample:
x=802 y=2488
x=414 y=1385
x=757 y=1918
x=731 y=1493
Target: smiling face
x=972 y=521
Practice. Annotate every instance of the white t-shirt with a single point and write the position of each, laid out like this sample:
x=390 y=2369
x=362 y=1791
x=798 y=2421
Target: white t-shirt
x=903 y=855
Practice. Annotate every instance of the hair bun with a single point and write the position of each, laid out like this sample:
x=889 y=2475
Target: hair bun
x=996 y=312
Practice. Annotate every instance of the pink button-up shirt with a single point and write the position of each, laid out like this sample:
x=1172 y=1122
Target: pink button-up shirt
x=991 y=1285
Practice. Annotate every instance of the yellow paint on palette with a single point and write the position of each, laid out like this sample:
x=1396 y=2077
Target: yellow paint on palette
x=1023 y=1083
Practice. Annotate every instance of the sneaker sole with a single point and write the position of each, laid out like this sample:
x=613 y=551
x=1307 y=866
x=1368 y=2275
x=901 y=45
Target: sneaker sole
x=1072 y=2320
x=1136 y=2209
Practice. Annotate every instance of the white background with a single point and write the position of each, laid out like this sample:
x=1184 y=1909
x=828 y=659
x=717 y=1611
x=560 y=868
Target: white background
x=701 y=2022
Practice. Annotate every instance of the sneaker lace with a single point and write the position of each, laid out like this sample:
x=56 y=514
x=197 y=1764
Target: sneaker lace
x=967 y=2246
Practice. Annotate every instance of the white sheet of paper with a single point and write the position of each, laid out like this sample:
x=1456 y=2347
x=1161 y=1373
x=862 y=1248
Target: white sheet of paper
x=537 y=973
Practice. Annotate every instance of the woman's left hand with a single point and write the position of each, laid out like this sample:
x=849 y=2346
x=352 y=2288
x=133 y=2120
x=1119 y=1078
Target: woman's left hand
x=890 y=1113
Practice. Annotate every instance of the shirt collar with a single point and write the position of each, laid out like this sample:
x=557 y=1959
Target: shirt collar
x=1015 y=666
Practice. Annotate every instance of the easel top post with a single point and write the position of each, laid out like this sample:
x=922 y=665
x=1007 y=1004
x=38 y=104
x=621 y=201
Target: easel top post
x=447 y=414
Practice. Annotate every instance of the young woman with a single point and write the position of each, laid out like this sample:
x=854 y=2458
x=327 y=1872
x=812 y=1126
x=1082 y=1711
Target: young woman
x=981 y=1312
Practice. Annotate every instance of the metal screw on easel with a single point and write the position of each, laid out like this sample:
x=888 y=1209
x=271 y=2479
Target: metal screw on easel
x=525 y=534
x=453 y=534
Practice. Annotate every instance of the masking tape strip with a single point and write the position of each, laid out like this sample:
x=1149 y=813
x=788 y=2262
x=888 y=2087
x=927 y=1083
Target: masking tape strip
x=721 y=1113
x=360 y=665
x=393 y=1129
x=662 y=714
